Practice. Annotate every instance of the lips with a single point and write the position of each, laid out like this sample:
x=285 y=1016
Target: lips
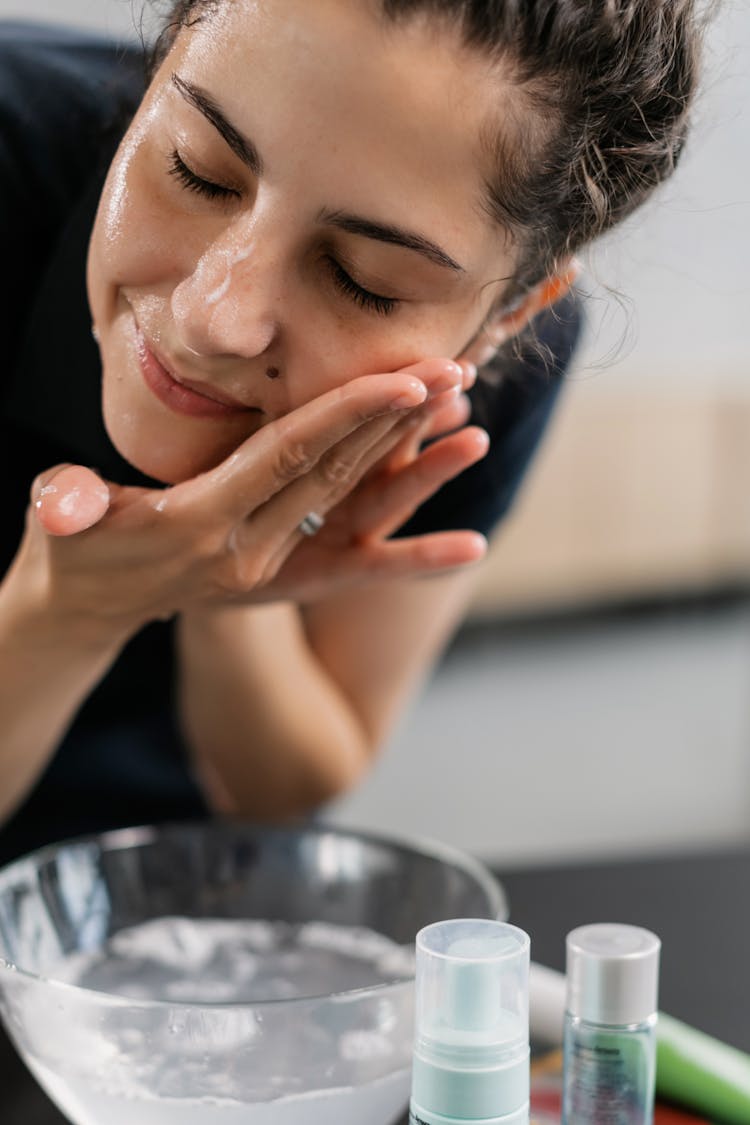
x=182 y=395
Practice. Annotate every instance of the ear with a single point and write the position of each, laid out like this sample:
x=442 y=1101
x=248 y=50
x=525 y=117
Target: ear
x=507 y=323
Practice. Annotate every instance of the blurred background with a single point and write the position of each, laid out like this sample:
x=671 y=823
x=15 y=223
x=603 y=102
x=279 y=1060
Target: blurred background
x=597 y=702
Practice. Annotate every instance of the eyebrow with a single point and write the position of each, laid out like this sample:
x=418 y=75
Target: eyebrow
x=244 y=148
x=240 y=146
x=385 y=232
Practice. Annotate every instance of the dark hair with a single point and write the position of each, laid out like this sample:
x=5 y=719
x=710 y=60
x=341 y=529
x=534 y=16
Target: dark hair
x=605 y=87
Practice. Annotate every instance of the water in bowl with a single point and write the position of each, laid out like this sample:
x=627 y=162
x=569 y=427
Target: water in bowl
x=164 y=1071
x=216 y=961
x=381 y=1101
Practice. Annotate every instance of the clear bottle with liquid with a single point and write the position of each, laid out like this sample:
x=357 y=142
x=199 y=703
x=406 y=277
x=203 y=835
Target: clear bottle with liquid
x=609 y=1067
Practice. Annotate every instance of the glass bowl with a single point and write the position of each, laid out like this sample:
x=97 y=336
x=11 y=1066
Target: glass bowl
x=216 y=972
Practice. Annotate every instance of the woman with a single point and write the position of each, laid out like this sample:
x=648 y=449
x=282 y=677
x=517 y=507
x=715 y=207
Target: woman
x=318 y=220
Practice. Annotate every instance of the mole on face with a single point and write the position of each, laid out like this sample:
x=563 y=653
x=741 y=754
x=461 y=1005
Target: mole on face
x=272 y=372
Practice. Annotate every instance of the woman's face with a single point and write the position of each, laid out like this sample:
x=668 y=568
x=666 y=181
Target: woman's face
x=298 y=201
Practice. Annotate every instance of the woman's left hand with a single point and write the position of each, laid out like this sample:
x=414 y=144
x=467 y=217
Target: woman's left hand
x=403 y=479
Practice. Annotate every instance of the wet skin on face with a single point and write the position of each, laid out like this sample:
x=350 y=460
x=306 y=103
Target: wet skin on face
x=299 y=200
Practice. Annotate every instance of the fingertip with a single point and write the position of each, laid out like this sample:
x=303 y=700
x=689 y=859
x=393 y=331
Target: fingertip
x=435 y=365
x=481 y=439
x=479 y=544
x=468 y=548
x=72 y=501
x=412 y=394
x=469 y=374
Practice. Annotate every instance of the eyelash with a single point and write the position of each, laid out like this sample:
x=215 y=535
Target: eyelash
x=372 y=302
x=187 y=177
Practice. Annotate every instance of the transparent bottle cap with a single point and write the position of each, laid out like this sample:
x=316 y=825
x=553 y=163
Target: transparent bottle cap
x=472 y=1018
x=612 y=973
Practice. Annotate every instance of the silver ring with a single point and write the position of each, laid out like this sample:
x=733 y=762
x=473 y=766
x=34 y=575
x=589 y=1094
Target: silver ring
x=311 y=524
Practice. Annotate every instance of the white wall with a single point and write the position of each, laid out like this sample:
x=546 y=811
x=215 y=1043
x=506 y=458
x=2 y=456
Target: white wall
x=606 y=738
x=683 y=259
x=116 y=17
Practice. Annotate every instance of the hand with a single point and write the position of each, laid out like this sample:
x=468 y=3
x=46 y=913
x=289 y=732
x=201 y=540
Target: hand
x=442 y=414
x=352 y=546
x=125 y=556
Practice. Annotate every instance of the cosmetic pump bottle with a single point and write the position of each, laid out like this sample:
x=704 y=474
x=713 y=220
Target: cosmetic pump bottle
x=609 y=1038
x=471 y=1049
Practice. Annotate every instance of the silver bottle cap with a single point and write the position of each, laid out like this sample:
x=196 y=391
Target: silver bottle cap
x=612 y=974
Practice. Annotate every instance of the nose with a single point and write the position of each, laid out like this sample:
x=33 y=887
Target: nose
x=229 y=304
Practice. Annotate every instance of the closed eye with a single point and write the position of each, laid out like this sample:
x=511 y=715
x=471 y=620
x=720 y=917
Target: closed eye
x=193 y=182
x=373 y=302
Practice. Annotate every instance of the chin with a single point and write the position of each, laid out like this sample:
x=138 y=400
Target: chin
x=160 y=456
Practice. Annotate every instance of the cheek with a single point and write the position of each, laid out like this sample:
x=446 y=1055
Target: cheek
x=135 y=241
x=324 y=359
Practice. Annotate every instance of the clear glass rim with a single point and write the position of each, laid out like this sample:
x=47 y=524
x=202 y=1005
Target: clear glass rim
x=142 y=835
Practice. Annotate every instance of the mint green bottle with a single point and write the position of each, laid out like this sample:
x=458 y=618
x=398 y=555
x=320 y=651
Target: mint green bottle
x=609 y=1040
x=471 y=1050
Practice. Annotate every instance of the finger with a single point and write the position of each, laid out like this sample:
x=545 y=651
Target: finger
x=417 y=557
x=289 y=447
x=391 y=496
x=290 y=507
x=406 y=450
x=451 y=416
x=344 y=467
x=439 y=416
x=69 y=499
x=387 y=503
x=276 y=524
x=469 y=373
x=399 y=444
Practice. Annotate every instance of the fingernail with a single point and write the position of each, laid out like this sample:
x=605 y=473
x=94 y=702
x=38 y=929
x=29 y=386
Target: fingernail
x=470 y=374
x=448 y=382
x=416 y=394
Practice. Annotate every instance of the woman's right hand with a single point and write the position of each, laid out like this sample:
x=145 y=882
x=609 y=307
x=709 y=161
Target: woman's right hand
x=118 y=557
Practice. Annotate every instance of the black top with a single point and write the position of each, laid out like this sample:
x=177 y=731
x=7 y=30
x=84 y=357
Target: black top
x=65 y=99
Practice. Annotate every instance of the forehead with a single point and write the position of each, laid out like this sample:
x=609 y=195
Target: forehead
x=387 y=119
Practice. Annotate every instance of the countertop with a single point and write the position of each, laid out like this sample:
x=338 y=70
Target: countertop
x=699 y=905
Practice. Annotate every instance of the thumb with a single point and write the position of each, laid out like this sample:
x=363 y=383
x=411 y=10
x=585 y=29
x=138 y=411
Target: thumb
x=68 y=499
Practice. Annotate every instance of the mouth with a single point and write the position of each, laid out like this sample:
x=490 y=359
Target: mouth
x=184 y=396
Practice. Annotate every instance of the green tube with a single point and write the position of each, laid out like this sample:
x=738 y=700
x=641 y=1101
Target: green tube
x=702 y=1073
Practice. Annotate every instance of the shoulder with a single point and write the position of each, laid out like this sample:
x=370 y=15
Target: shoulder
x=65 y=96
x=63 y=75
x=60 y=90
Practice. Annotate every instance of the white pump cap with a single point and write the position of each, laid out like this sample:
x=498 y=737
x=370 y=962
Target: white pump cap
x=613 y=974
x=471 y=1054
